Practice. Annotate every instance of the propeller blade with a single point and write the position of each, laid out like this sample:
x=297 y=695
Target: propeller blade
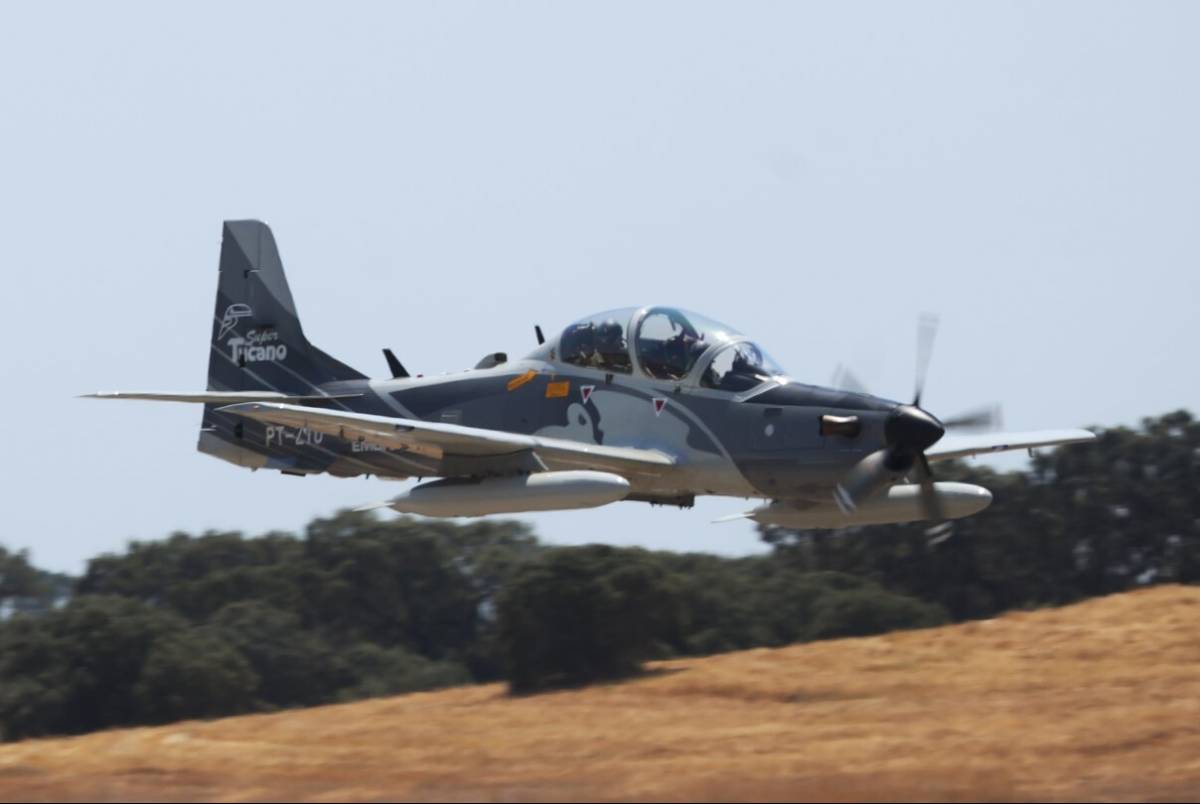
x=864 y=479
x=988 y=418
x=844 y=380
x=931 y=506
x=927 y=328
x=939 y=533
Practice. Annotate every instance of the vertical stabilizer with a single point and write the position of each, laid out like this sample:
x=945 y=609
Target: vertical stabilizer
x=257 y=344
x=257 y=341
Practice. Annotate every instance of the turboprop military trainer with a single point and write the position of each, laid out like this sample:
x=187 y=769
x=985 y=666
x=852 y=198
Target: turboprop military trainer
x=651 y=404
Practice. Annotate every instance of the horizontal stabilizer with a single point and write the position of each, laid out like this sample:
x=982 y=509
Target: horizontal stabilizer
x=215 y=397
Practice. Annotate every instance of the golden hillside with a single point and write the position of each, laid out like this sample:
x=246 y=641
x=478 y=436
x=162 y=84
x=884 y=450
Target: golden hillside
x=1095 y=701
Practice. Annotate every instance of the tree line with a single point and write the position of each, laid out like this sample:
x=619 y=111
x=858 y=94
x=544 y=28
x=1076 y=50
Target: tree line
x=219 y=623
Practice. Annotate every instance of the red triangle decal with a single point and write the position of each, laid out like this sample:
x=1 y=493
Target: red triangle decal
x=586 y=392
x=659 y=404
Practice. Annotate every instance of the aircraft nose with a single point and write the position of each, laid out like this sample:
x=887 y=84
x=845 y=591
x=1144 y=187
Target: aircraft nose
x=911 y=427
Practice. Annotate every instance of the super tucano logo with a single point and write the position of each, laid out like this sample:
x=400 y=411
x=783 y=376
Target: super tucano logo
x=233 y=313
x=257 y=346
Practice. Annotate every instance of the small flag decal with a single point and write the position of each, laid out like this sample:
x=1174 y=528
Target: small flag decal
x=557 y=390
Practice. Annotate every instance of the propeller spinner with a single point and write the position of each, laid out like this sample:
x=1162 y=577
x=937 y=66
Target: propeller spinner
x=908 y=432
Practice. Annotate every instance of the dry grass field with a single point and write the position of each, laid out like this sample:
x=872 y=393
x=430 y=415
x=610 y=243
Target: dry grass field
x=1095 y=701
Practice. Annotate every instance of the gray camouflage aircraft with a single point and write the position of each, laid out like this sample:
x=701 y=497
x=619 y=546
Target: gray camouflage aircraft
x=652 y=404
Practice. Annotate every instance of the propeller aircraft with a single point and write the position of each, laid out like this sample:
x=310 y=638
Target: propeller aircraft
x=652 y=404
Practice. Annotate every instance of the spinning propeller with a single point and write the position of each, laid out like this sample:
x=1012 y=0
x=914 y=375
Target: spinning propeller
x=908 y=432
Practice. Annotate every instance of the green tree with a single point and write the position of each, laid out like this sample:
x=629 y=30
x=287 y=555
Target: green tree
x=198 y=575
x=378 y=670
x=193 y=673
x=866 y=611
x=390 y=583
x=17 y=577
x=293 y=666
x=74 y=669
x=584 y=614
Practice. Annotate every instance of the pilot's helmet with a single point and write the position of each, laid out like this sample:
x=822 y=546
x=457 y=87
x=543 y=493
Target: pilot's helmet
x=610 y=337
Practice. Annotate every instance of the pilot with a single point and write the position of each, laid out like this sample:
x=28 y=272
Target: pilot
x=746 y=369
x=578 y=344
x=681 y=352
x=611 y=350
x=746 y=361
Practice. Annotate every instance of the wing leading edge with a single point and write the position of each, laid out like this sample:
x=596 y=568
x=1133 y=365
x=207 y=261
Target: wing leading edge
x=438 y=440
x=962 y=446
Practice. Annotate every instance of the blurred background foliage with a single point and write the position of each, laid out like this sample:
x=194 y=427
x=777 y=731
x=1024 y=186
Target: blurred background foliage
x=217 y=624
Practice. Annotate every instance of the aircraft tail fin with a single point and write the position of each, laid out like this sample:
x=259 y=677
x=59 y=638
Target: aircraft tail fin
x=257 y=341
x=258 y=348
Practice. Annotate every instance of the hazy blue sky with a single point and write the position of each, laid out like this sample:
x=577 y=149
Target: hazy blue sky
x=442 y=176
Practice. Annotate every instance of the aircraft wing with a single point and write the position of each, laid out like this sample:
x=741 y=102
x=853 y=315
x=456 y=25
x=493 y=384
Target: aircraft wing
x=962 y=446
x=215 y=397
x=438 y=440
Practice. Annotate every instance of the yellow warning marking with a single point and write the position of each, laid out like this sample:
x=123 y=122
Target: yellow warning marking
x=558 y=389
x=518 y=381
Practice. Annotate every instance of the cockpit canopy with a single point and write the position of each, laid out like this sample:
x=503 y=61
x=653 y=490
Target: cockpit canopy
x=739 y=367
x=665 y=343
